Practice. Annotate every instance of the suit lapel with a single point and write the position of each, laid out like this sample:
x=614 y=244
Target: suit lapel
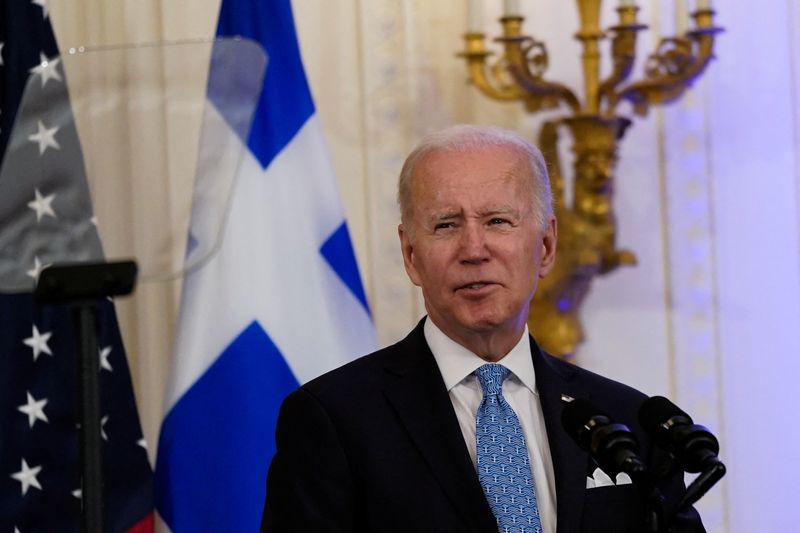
x=569 y=461
x=420 y=399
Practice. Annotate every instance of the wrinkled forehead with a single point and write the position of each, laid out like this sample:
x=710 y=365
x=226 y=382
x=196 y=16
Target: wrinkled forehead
x=491 y=170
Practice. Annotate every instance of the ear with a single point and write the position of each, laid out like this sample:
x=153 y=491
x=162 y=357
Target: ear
x=409 y=258
x=549 y=242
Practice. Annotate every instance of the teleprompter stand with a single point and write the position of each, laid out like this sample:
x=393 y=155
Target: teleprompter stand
x=81 y=286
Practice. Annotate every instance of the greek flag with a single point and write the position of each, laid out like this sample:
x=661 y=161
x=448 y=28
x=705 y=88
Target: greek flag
x=280 y=303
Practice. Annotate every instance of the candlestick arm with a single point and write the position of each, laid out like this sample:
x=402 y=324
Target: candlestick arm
x=492 y=80
x=672 y=68
x=526 y=61
x=623 y=50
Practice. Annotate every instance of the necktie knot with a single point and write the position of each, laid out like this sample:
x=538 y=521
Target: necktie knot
x=491 y=377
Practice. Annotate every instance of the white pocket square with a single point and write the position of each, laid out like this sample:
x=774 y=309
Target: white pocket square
x=601 y=479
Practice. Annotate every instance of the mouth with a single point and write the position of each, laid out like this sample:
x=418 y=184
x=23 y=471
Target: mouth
x=476 y=287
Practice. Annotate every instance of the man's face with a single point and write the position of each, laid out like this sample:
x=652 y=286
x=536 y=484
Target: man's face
x=471 y=240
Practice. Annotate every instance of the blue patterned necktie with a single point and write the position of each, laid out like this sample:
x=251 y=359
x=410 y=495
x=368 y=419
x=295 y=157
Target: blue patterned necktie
x=503 y=467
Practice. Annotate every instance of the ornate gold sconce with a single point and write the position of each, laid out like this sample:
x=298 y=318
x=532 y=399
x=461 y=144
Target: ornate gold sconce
x=587 y=228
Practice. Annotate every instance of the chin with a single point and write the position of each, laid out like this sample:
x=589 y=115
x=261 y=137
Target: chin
x=488 y=320
x=485 y=323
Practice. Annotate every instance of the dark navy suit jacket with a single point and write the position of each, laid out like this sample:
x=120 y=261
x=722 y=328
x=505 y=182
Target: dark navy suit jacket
x=375 y=446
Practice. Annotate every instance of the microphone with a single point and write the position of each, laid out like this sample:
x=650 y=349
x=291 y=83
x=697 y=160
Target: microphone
x=693 y=446
x=612 y=445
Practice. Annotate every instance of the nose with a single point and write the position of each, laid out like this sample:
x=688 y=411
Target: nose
x=474 y=248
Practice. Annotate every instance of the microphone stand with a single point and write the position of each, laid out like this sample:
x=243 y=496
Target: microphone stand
x=707 y=479
x=654 y=507
x=654 y=513
x=83 y=286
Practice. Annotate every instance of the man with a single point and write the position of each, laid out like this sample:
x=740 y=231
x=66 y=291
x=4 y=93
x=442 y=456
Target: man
x=457 y=427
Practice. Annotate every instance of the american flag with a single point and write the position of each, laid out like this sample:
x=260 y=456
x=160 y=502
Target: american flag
x=45 y=212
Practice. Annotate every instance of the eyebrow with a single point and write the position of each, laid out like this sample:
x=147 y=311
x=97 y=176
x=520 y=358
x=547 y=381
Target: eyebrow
x=498 y=211
x=446 y=215
x=450 y=215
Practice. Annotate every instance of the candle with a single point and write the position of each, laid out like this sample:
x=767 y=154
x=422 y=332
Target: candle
x=474 y=16
x=511 y=7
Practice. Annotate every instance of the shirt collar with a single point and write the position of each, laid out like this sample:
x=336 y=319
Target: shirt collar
x=456 y=362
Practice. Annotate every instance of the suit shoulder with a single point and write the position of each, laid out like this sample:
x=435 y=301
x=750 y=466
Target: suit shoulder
x=362 y=373
x=605 y=392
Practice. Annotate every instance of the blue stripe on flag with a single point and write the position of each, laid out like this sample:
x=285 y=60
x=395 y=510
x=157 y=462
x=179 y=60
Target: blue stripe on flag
x=338 y=252
x=233 y=406
x=285 y=103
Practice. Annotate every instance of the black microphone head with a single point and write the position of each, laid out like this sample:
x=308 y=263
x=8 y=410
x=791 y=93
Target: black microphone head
x=658 y=410
x=693 y=447
x=612 y=445
x=575 y=417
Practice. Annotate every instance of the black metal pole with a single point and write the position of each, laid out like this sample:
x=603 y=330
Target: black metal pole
x=83 y=285
x=85 y=317
x=654 y=519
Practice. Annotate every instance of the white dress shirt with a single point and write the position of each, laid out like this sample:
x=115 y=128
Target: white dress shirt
x=457 y=364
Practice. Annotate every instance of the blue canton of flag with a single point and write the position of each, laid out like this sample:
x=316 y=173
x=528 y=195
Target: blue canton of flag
x=279 y=304
x=45 y=210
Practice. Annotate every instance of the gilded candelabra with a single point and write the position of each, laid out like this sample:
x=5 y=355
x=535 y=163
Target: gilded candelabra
x=587 y=228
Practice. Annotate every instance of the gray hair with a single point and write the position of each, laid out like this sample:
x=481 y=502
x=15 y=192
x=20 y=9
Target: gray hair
x=468 y=137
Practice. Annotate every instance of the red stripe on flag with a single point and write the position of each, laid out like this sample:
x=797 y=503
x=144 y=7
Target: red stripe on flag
x=145 y=525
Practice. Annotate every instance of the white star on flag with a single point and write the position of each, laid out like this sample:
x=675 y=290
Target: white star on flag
x=46 y=137
x=47 y=69
x=41 y=204
x=43 y=5
x=104 y=353
x=38 y=342
x=27 y=477
x=37 y=268
x=34 y=409
x=78 y=493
